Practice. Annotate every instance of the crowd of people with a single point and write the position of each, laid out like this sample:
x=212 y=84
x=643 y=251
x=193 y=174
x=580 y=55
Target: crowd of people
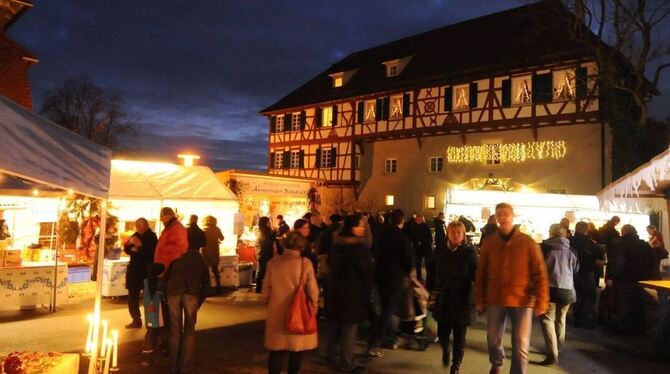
x=391 y=272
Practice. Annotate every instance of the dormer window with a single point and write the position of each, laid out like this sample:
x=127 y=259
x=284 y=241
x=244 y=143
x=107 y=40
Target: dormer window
x=392 y=70
x=337 y=82
x=341 y=78
x=395 y=67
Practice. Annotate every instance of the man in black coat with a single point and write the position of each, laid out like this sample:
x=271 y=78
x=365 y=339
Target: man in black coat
x=395 y=262
x=440 y=228
x=196 y=237
x=422 y=240
x=140 y=247
x=590 y=257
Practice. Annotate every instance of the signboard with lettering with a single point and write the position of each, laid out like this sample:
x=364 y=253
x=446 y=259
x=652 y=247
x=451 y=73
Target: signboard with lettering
x=266 y=186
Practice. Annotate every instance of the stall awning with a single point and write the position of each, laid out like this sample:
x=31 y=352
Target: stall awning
x=647 y=181
x=165 y=181
x=36 y=149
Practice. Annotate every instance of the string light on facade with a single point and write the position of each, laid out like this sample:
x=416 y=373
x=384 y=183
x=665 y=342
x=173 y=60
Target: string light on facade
x=510 y=152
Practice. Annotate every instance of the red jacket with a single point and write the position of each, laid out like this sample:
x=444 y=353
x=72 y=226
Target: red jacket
x=172 y=244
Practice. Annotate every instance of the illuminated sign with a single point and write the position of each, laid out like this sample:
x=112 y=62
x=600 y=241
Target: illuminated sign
x=507 y=152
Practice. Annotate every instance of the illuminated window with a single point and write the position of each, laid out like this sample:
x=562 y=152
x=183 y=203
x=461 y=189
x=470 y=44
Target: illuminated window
x=279 y=160
x=396 y=106
x=337 y=82
x=390 y=166
x=370 y=111
x=392 y=70
x=436 y=164
x=279 y=123
x=389 y=200
x=295 y=159
x=327 y=116
x=522 y=87
x=564 y=84
x=461 y=97
x=295 y=121
x=430 y=202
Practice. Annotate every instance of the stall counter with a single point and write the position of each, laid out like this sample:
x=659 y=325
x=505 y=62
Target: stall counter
x=32 y=284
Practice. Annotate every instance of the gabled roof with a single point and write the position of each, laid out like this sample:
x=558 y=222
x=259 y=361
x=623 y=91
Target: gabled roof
x=11 y=11
x=516 y=38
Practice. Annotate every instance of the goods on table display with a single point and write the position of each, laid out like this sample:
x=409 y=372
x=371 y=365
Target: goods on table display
x=29 y=362
x=10 y=257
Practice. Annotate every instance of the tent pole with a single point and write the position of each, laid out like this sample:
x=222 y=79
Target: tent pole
x=98 y=288
x=55 y=286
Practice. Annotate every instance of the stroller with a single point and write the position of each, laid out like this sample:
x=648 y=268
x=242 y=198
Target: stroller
x=413 y=315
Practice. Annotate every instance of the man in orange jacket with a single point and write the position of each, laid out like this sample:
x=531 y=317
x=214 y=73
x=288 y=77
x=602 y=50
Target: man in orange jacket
x=511 y=282
x=173 y=241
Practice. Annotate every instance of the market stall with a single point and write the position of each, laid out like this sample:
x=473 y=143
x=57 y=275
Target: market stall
x=535 y=212
x=54 y=163
x=142 y=189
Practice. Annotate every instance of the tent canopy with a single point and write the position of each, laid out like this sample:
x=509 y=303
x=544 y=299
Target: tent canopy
x=650 y=180
x=165 y=181
x=39 y=150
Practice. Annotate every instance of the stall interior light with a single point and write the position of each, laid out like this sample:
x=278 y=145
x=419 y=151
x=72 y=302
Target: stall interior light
x=188 y=159
x=36 y=192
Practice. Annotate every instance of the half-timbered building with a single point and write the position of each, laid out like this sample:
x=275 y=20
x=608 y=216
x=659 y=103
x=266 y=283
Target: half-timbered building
x=507 y=101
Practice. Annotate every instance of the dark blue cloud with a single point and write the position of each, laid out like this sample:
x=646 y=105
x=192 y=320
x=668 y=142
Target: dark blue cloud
x=197 y=72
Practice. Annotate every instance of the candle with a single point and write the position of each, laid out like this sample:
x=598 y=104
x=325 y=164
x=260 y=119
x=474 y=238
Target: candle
x=89 y=336
x=104 y=337
x=115 y=354
x=109 y=350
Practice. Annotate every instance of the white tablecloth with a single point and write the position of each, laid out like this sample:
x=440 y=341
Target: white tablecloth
x=69 y=364
x=114 y=277
x=31 y=284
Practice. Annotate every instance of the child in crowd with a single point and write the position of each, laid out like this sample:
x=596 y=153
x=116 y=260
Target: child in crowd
x=152 y=312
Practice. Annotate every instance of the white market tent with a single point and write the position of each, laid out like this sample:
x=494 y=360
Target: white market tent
x=642 y=190
x=38 y=150
x=141 y=188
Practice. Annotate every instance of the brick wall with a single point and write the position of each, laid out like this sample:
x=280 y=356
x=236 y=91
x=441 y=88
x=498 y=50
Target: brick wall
x=14 y=82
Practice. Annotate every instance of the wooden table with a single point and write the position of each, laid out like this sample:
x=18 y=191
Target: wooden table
x=661 y=342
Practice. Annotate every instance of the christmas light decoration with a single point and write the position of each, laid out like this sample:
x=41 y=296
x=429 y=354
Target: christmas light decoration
x=523 y=95
x=510 y=152
x=462 y=98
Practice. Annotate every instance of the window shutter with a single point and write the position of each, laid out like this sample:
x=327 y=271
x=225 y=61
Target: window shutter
x=379 y=109
x=474 y=87
x=360 y=112
x=288 y=121
x=301 y=160
x=272 y=160
x=334 y=115
x=448 y=101
x=506 y=93
x=385 y=102
x=303 y=120
x=273 y=124
x=286 y=159
x=318 y=117
x=318 y=158
x=405 y=105
x=333 y=157
x=582 y=79
x=542 y=88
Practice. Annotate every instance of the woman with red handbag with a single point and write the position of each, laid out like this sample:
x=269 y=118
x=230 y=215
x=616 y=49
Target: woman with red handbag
x=292 y=298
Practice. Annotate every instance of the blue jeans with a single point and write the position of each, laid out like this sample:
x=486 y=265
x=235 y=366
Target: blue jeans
x=522 y=322
x=183 y=316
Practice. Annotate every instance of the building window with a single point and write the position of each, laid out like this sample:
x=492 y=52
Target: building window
x=279 y=123
x=327 y=116
x=389 y=200
x=436 y=164
x=337 y=82
x=295 y=121
x=48 y=236
x=391 y=70
x=564 y=84
x=326 y=158
x=295 y=159
x=279 y=159
x=370 y=111
x=357 y=162
x=396 y=106
x=430 y=202
x=492 y=151
x=461 y=97
x=390 y=166
x=522 y=93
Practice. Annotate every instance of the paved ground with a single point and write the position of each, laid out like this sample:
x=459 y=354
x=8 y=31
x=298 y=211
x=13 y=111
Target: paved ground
x=230 y=340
